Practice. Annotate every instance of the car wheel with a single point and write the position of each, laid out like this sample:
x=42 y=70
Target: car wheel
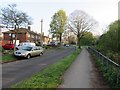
x=28 y=56
x=17 y=49
x=41 y=53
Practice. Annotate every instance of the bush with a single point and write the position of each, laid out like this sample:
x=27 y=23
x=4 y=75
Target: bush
x=109 y=42
x=46 y=46
x=109 y=73
x=2 y=49
x=37 y=43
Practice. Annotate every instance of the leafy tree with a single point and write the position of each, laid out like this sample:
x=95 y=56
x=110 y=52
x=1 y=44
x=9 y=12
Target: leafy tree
x=114 y=35
x=13 y=19
x=109 y=42
x=88 y=39
x=111 y=39
x=57 y=25
x=79 y=23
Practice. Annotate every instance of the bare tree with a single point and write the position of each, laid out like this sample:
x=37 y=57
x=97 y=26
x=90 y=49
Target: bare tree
x=69 y=37
x=79 y=23
x=13 y=19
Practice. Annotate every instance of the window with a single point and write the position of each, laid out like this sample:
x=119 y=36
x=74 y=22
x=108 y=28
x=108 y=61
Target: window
x=6 y=36
x=36 y=36
x=32 y=36
x=28 y=35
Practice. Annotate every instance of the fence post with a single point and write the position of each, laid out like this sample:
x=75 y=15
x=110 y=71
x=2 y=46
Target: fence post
x=107 y=64
x=102 y=59
x=118 y=75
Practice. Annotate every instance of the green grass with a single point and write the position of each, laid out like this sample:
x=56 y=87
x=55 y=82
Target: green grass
x=51 y=77
x=8 y=57
x=1 y=49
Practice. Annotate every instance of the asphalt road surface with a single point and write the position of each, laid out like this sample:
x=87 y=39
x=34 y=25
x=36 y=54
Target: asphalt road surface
x=14 y=72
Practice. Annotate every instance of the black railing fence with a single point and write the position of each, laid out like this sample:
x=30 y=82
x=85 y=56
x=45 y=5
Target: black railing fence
x=109 y=65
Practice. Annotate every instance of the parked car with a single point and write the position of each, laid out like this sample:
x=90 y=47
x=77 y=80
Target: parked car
x=24 y=44
x=67 y=45
x=53 y=44
x=29 y=51
x=8 y=46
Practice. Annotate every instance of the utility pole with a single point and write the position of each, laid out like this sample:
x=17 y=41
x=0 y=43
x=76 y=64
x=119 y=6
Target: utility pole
x=41 y=32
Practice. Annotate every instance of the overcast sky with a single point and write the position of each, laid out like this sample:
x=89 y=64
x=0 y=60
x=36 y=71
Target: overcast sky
x=103 y=11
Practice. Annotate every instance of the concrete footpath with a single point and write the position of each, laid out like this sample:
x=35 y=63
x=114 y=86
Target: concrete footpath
x=82 y=74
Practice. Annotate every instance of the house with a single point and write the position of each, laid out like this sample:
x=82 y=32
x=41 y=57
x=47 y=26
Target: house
x=46 y=40
x=1 y=37
x=24 y=35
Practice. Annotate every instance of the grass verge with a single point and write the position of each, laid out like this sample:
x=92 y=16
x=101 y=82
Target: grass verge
x=8 y=57
x=49 y=77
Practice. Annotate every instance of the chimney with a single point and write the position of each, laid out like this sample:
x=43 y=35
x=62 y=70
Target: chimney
x=28 y=27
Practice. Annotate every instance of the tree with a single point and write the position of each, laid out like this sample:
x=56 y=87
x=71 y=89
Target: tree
x=13 y=19
x=88 y=39
x=79 y=23
x=110 y=41
x=57 y=25
x=69 y=37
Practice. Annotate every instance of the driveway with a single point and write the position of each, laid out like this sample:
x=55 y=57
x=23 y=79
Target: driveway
x=17 y=71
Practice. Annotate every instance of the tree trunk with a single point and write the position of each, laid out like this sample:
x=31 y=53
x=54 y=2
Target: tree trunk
x=79 y=46
x=78 y=41
x=60 y=38
x=16 y=33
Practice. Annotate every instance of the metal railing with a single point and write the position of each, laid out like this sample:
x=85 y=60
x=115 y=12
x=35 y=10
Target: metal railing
x=107 y=63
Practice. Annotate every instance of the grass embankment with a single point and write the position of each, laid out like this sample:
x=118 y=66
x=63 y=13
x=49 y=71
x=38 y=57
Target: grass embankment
x=6 y=55
x=109 y=72
x=51 y=77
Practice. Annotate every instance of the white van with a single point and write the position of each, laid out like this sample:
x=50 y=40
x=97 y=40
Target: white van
x=25 y=44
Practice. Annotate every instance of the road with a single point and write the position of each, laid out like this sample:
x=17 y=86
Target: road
x=83 y=73
x=14 y=72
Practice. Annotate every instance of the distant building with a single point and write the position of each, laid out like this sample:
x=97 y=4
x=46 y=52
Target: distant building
x=1 y=37
x=24 y=35
x=46 y=40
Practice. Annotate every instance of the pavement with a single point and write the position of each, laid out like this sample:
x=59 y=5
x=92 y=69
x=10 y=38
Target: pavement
x=82 y=74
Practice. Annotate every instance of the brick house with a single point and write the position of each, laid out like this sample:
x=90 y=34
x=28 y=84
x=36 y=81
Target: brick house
x=1 y=37
x=24 y=35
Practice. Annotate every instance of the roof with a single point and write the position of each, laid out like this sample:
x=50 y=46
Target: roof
x=22 y=30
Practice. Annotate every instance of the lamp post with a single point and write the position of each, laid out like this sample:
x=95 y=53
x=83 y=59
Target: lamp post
x=41 y=32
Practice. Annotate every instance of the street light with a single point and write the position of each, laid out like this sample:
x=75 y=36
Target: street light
x=41 y=32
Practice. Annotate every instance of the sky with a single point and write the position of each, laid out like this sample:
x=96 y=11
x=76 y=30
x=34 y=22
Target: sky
x=103 y=11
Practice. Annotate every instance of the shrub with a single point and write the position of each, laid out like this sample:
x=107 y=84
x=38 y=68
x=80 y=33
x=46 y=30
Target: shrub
x=109 y=73
x=2 y=49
